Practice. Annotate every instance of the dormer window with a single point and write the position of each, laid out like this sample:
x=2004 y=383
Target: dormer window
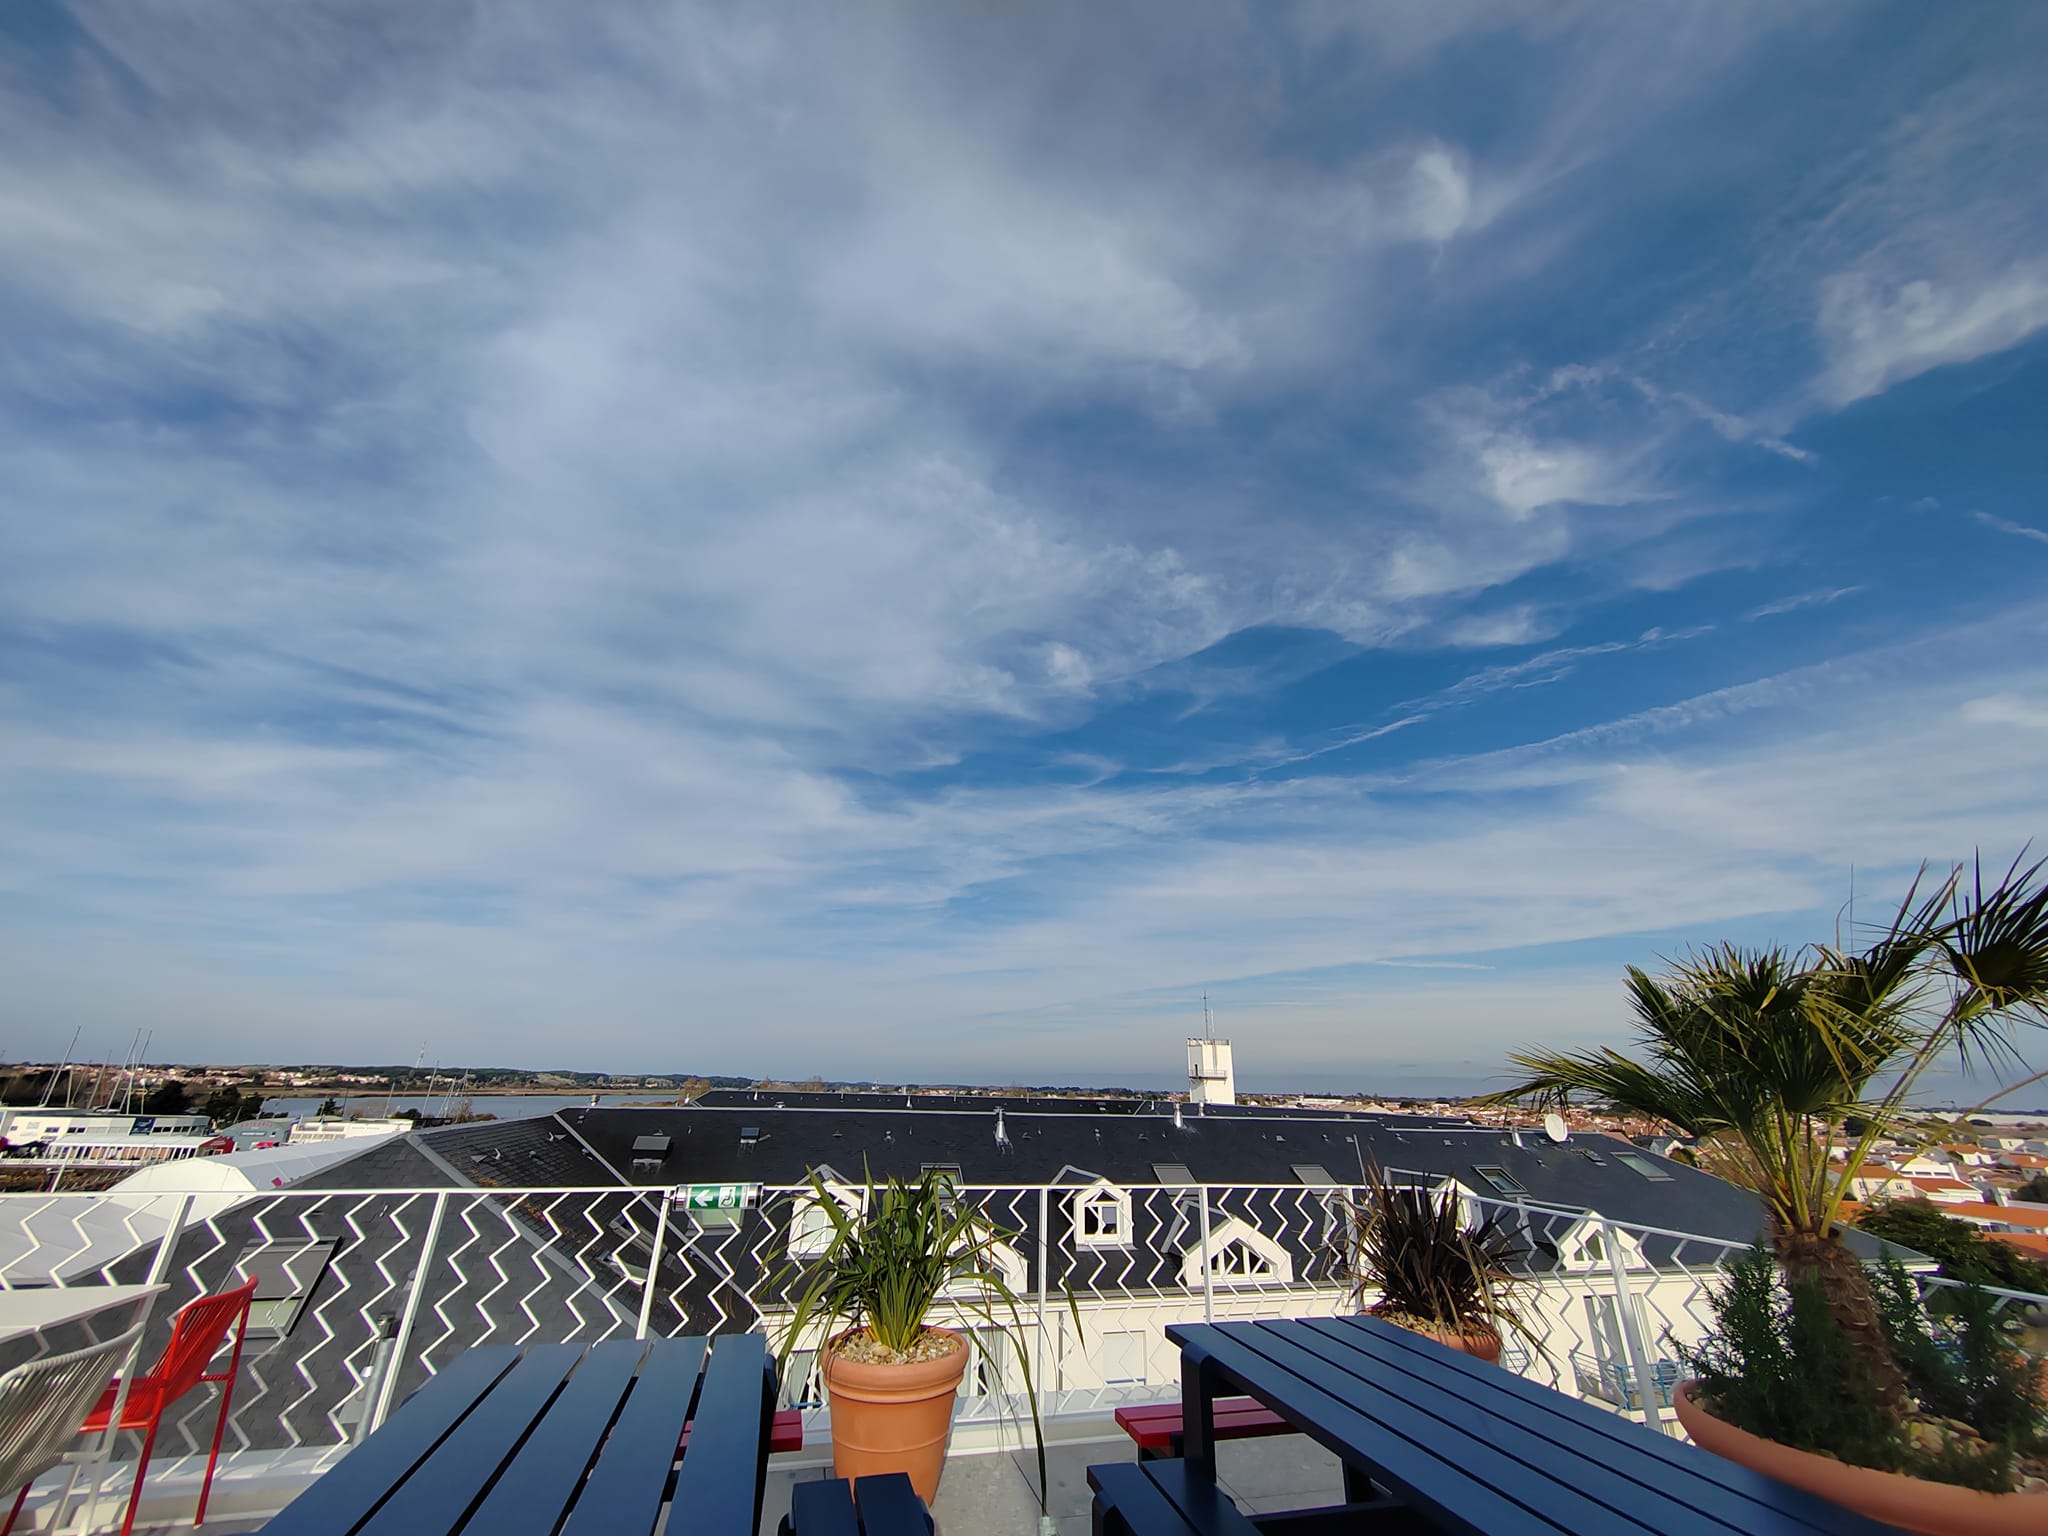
x=811 y=1226
x=1238 y=1254
x=1592 y=1245
x=1005 y=1261
x=1102 y=1216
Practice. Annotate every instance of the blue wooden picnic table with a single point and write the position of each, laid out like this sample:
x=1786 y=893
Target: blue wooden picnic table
x=1434 y=1441
x=561 y=1440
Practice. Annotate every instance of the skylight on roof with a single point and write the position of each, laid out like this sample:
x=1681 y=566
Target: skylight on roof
x=656 y=1144
x=1313 y=1173
x=1172 y=1173
x=1642 y=1165
x=1503 y=1181
x=286 y=1273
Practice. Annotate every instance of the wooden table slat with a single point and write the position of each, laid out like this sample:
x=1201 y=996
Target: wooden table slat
x=1136 y=1497
x=440 y=1493
x=626 y=1487
x=1200 y=1502
x=529 y=1499
x=347 y=1492
x=1742 y=1499
x=1458 y=1494
x=720 y=1483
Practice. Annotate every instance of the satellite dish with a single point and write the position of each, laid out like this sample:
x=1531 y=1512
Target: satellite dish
x=1555 y=1128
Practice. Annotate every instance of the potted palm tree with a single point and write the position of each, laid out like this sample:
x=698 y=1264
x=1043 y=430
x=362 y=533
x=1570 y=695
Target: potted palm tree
x=909 y=1252
x=1429 y=1270
x=1769 y=1056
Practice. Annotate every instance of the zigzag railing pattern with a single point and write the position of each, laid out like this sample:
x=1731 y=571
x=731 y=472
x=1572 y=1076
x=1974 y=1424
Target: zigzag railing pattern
x=368 y=1292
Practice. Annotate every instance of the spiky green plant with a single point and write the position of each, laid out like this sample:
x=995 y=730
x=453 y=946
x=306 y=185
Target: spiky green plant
x=888 y=1267
x=1415 y=1249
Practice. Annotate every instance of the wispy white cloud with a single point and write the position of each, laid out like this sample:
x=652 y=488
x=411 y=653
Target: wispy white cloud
x=2007 y=525
x=1522 y=624
x=1820 y=597
x=2007 y=709
x=1877 y=332
x=1730 y=427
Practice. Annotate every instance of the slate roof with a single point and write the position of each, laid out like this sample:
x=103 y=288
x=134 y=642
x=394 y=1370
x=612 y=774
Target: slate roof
x=985 y=1104
x=535 y=1152
x=385 y=1162
x=705 y=1147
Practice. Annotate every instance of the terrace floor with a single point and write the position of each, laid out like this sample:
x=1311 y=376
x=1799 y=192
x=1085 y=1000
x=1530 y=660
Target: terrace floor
x=994 y=1491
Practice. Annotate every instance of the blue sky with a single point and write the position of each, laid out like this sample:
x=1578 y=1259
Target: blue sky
x=912 y=545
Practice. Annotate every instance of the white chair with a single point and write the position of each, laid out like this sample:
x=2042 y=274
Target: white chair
x=42 y=1405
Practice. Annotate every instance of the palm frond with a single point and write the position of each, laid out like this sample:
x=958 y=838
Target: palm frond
x=1765 y=1050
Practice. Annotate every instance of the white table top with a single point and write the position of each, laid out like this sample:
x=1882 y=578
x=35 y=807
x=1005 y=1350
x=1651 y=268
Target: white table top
x=31 y=1311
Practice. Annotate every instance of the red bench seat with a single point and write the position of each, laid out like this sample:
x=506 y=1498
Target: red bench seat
x=1156 y=1427
x=785 y=1433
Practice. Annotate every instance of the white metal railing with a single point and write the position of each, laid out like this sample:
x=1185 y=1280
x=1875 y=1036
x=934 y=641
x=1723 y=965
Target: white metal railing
x=365 y=1293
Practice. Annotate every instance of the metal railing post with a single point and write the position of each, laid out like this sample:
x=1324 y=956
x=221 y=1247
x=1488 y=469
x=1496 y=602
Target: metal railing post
x=1044 y=1232
x=668 y=1197
x=159 y=1266
x=385 y=1325
x=421 y=1277
x=1208 y=1261
x=1632 y=1336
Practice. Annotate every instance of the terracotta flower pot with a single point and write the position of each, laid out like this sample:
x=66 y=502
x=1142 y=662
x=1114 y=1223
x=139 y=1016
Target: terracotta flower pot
x=894 y=1418
x=1474 y=1339
x=1911 y=1503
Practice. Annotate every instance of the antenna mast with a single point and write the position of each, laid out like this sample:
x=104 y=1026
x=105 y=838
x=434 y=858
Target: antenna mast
x=1208 y=1024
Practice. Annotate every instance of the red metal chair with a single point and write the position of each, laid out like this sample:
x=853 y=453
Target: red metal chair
x=197 y=1334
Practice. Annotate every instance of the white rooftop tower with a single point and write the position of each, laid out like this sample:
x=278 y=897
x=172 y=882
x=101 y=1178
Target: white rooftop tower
x=1211 y=1079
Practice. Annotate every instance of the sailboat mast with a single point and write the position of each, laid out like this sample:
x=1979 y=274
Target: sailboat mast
x=50 y=1087
x=134 y=1076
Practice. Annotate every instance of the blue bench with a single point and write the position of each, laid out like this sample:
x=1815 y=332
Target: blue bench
x=870 y=1506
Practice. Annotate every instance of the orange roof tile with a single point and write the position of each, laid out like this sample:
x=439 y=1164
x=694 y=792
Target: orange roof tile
x=2018 y=1214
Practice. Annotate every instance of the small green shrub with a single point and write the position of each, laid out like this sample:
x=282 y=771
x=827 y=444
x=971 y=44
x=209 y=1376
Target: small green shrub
x=1973 y=1373
x=1778 y=1363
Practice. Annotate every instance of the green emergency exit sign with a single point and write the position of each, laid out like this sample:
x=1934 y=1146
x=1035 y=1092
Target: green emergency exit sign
x=718 y=1197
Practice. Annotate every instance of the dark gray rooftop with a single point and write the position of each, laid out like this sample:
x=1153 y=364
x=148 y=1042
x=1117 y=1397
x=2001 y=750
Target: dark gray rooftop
x=387 y=1162
x=533 y=1152
x=706 y=1146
